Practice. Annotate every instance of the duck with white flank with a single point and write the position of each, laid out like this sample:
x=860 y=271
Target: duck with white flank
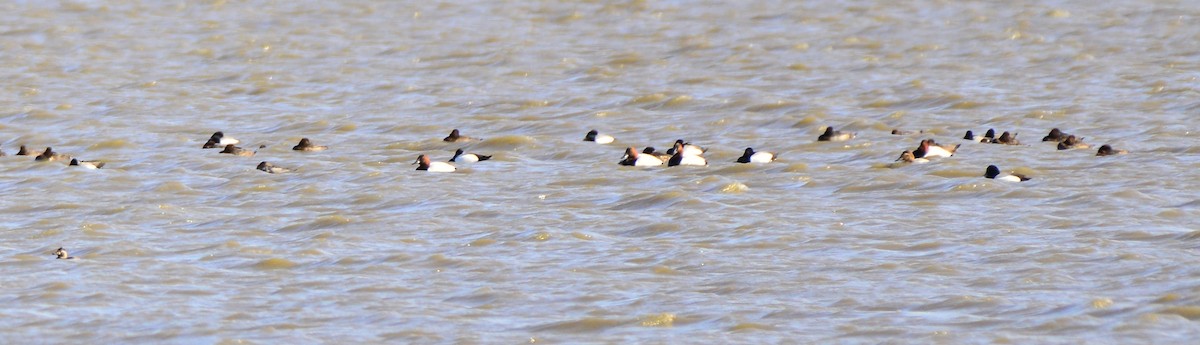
x=1071 y=142
x=1106 y=150
x=595 y=136
x=632 y=158
x=930 y=149
x=87 y=164
x=832 y=135
x=427 y=165
x=307 y=146
x=986 y=138
x=681 y=157
x=689 y=149
x=219 y=139
x=751 y=156
x=460 y=157
x=994 y=173
x=271 y=168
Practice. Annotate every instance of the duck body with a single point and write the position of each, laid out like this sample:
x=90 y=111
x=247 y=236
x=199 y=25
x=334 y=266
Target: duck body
x=307 y=146
x=751 y=156
x=460 y=157
x=595 y=136
x=426 y=165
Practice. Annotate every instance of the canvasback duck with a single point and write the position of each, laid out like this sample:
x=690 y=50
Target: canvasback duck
x=908 y=157
x=22 y=151
x=237 y=151
x=994 y=173
x=87 y=164
x=649 y=150
x=49 y=156
x=460 y=157
x=930 y=149
x=455 y=137
x=427 y=165
x=688 y=148
x=751 y=156
x=1071 y=142
x=307 y=146
x=598 y=138
x=271 y=168
x=1106 y=150
x=632 y=158
x=1007 y=139
x=62 y=254
x=1055 y=135
x=681 y=157
x=832 y=135
x=219 y=139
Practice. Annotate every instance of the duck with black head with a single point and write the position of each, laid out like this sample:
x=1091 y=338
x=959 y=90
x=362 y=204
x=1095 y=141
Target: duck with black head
x=22 y=151
x=307 y=146
x=271 y=168
x=1007 y=139
x=457 y=137
x=649 y=150
x=219 y=139
x=62 y=254
x=596 y=137
x=993 y=172
x=832 y=135
x=682 y=158
x=751 y=156
x=461 y=156
x=49 y=156
x=1107 y=150
x=1056 y=135
x=87 y=164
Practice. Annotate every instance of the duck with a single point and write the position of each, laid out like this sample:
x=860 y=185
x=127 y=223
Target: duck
x=972 y=137
x=455 y=137
x=689 y=149
x=237 y=151
x=994 y=173
x=682 y=158
x=460 y=157
x=908 y=157
x=897 y=131
x=1071 y=142
x=1007 y=139
x=87 y=164
x=62 y=254
x=307 y=146
x=1106 y=150
x=649 y=150
x=219 y=139
x=832 y=135
x=751 y=156
x=598 y=138
x=1055 y=135
x=22 y=151
x=271 y=168
x=632 y=158
x=930 y=149
x=427 y=165
x=49 y=156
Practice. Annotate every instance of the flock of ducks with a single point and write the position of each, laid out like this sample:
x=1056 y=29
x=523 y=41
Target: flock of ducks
x=681 y=153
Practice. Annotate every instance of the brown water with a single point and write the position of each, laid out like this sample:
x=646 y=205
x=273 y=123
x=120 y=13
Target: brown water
x=552 y=241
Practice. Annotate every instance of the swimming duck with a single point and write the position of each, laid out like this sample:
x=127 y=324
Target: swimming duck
x=900 y=132
x=460 y=157
x=49 y=156
x=271 y=168
x=994 y=173
x=22 y=151
x=62 y=254
x=688 y=148
x=976 y=138
x=649 y=150
x=455 y=137
x=427 y=165
x=908 y=157
x=1007 y=139
x=1055 y=135
x=1071 y=142
x=632 y=158
x=751 y=156
x=930 y=149
x=307 y=146
x=237 y=151
x=832 y=135
x=87 y=164
x=1106 y=150
x=219 y=139
x=601 y=139
x=682 y=158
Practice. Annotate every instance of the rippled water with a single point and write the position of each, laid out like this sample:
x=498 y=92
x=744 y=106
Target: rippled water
x=552 y=241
